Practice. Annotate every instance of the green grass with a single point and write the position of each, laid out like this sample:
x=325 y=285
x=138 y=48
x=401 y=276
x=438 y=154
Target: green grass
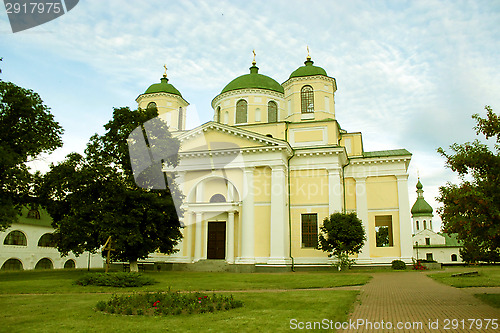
x=491 y=299
x=49 y=301
x=43 y=282
x=488 y=277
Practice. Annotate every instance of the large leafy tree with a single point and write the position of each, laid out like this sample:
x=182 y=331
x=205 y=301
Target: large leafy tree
x=471 y=209
x=27 y=130
x=342 y=235
x=95 y=196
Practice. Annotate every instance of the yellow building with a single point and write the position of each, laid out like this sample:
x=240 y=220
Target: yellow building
x=260 y=178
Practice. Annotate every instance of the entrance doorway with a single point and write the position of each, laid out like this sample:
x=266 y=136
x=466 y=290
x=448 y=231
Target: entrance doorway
x=216 y=245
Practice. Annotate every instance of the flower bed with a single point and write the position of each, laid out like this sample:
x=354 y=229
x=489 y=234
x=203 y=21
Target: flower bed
x=167 y=303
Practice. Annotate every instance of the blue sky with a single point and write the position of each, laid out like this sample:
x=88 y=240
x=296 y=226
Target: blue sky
x=409 y=73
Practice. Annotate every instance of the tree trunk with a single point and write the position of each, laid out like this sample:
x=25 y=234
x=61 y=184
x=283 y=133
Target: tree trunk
x=133 y=266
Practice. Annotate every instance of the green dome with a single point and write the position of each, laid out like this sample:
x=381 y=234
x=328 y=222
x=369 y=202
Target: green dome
x=308 y=70
x=253 y=80
x=421 y=207
x=162 y=87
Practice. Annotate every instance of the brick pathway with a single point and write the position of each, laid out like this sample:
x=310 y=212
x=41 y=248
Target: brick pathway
x=413 y=297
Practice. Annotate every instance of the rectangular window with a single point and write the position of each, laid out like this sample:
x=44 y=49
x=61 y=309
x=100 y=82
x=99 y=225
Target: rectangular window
x=310 y=230
x=429 y=257
x=427 y=241
x=383 y=231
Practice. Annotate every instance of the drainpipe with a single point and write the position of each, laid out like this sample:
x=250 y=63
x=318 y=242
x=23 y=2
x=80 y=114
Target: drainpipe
x=289 y=201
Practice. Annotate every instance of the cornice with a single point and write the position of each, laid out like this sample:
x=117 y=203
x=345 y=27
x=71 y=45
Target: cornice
x=249 y=91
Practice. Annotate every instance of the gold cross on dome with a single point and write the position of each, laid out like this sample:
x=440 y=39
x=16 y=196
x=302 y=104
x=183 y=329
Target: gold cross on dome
x=165 y=74
x=254 y=62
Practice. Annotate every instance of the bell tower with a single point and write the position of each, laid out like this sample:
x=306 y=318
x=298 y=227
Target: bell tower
x=168 y=101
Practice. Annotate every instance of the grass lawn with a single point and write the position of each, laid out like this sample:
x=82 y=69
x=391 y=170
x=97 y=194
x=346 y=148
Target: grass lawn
x=48 y=301
x=489 y=276
x=491 y=299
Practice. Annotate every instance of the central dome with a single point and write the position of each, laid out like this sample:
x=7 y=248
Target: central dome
x=253 y=80
x=308 y=70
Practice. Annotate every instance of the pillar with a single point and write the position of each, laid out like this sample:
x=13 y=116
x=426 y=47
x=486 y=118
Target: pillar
x=404 y=217
x=198 y=237
x=279 y=217
x=334 y=191
x=362 y=213
x=230 y=238
x=247 y=217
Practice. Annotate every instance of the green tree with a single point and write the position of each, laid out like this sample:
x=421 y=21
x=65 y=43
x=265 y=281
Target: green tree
x=382 y=236
x=95 y=196
x=342 y=235
x=471 y=210
x=28 y=129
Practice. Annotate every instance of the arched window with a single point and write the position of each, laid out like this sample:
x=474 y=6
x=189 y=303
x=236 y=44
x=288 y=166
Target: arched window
x=44 y=263
x=307 y=99
x=70 y=263
x=47 y=240
x=272 y=112
x=217 y=115
x=12 y=265
x=218 y=198
x=16 y=237
x=418 y=226
x=152 y=105
x=241 y=111
x=181 y=118
x=453 y=257
x=425 y=224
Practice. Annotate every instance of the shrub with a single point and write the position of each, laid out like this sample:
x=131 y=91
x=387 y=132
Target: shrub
x=167 y=303
x=115 y=280
x=398 y=265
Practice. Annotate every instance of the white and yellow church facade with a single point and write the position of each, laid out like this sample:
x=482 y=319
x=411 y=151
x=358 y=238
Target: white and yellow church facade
x=262 y=176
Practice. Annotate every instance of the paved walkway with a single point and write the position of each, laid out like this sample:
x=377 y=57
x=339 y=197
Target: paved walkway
x=421 y=304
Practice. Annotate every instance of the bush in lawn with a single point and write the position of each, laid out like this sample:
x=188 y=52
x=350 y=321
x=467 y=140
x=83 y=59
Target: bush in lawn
x=167 y=303
x=398 y=265
x=115 y=280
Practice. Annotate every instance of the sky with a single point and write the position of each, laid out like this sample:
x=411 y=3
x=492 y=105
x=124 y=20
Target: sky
x=409 y=73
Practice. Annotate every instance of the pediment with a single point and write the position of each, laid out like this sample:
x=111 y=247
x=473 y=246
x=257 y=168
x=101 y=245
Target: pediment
x=218 y=137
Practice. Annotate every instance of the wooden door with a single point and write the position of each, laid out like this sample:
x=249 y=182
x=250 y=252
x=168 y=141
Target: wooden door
x=216 y=245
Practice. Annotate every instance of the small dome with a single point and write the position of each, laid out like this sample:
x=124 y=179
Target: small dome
x=421 y=207
x=162 y=87
x=308 y=70
x=253 y=80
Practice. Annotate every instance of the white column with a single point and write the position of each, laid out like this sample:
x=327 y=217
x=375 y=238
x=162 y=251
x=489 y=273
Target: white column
x=279 y=217
x=362 y=213
x=404 y=217
x=199 y=192
x=247 y=217
x=334 y=191
x=188 y=235
x=198 y=237
x=230 y=192
x=230 y=238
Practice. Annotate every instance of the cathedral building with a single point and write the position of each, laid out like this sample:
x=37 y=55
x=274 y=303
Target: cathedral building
x=262 y=176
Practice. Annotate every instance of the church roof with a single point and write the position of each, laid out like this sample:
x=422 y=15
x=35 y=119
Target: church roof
x=308 y=70
x=162 y=87
x=253 y=80
x=421 y=207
